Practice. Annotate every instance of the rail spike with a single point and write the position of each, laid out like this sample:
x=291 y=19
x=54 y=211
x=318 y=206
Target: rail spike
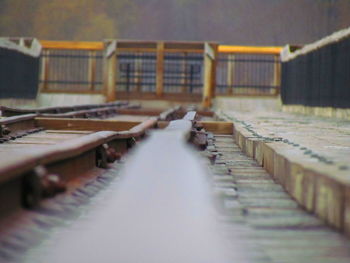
x=38 y=184
x=4 y=130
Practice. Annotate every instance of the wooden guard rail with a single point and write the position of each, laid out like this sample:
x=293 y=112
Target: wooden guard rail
x=108 y=62
x=160 y=49
x=250 y=50
x=248 y=70
x=72 y=45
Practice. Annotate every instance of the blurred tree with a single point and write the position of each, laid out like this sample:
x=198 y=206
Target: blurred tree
x=97 y=27
x=124 y=14
x=16 y=17
x=66 y=19
x=72 y=19
x=249 y=22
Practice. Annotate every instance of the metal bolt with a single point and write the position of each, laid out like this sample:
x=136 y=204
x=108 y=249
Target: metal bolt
x=52 y=184
x=112 y=154
x=5 y=130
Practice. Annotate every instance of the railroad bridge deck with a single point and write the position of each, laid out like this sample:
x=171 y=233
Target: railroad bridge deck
x=166 y=189
x=220 y=179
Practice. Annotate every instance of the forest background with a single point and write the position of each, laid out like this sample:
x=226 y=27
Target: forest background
x=240 y=22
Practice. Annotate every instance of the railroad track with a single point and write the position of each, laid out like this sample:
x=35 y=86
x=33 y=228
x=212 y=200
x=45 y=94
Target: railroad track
x=44 y=154
x=69 y=182
x=29 y=142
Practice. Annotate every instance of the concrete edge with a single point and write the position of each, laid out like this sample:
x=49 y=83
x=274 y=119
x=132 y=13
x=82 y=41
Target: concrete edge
x=34 y=50
x=318 y=111
x=320 y=188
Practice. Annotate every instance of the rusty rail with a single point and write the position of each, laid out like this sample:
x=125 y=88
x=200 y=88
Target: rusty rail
x=51 y=143
x=8 y=111
x=168 y=114
x=83 y=151
x=92 y=113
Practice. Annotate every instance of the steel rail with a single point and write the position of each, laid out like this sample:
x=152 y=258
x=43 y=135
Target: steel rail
x=98 y=112
x=19 y=125
x=53 y=153
x=32 y=144
x=9 y=111
x=66 y=148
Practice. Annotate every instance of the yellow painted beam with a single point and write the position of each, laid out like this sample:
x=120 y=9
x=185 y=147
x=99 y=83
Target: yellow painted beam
x=47 y=44
x=249 y=49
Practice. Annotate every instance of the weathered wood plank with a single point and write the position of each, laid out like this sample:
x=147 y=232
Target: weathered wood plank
x=216 y=127
x=110 y=72
x=208 y=76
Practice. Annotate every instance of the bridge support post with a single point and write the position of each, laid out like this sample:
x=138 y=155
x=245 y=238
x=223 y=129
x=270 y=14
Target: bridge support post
x=213 y=69
x=45 y=70
x=92 y=69
x=110 y=71
x=160 y=69
x=209 y=75
x=230 y=73
x=277 y=74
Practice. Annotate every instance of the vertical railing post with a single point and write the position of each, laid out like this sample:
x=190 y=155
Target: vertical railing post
x=209 y=76
x=160 y=69
x=191 y=77
x=44 y=74
x=138 y=74
x=213 y=70
x=277 y=74
x=128 y=69
x=92 y=69
x=184 y=81
x=230 y=73
x=110 y=71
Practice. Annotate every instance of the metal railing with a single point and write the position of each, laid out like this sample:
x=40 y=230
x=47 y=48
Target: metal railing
x=136 y=72
x=243 y=72
x=70 y=70
x=158 y=70
x=182 y=71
